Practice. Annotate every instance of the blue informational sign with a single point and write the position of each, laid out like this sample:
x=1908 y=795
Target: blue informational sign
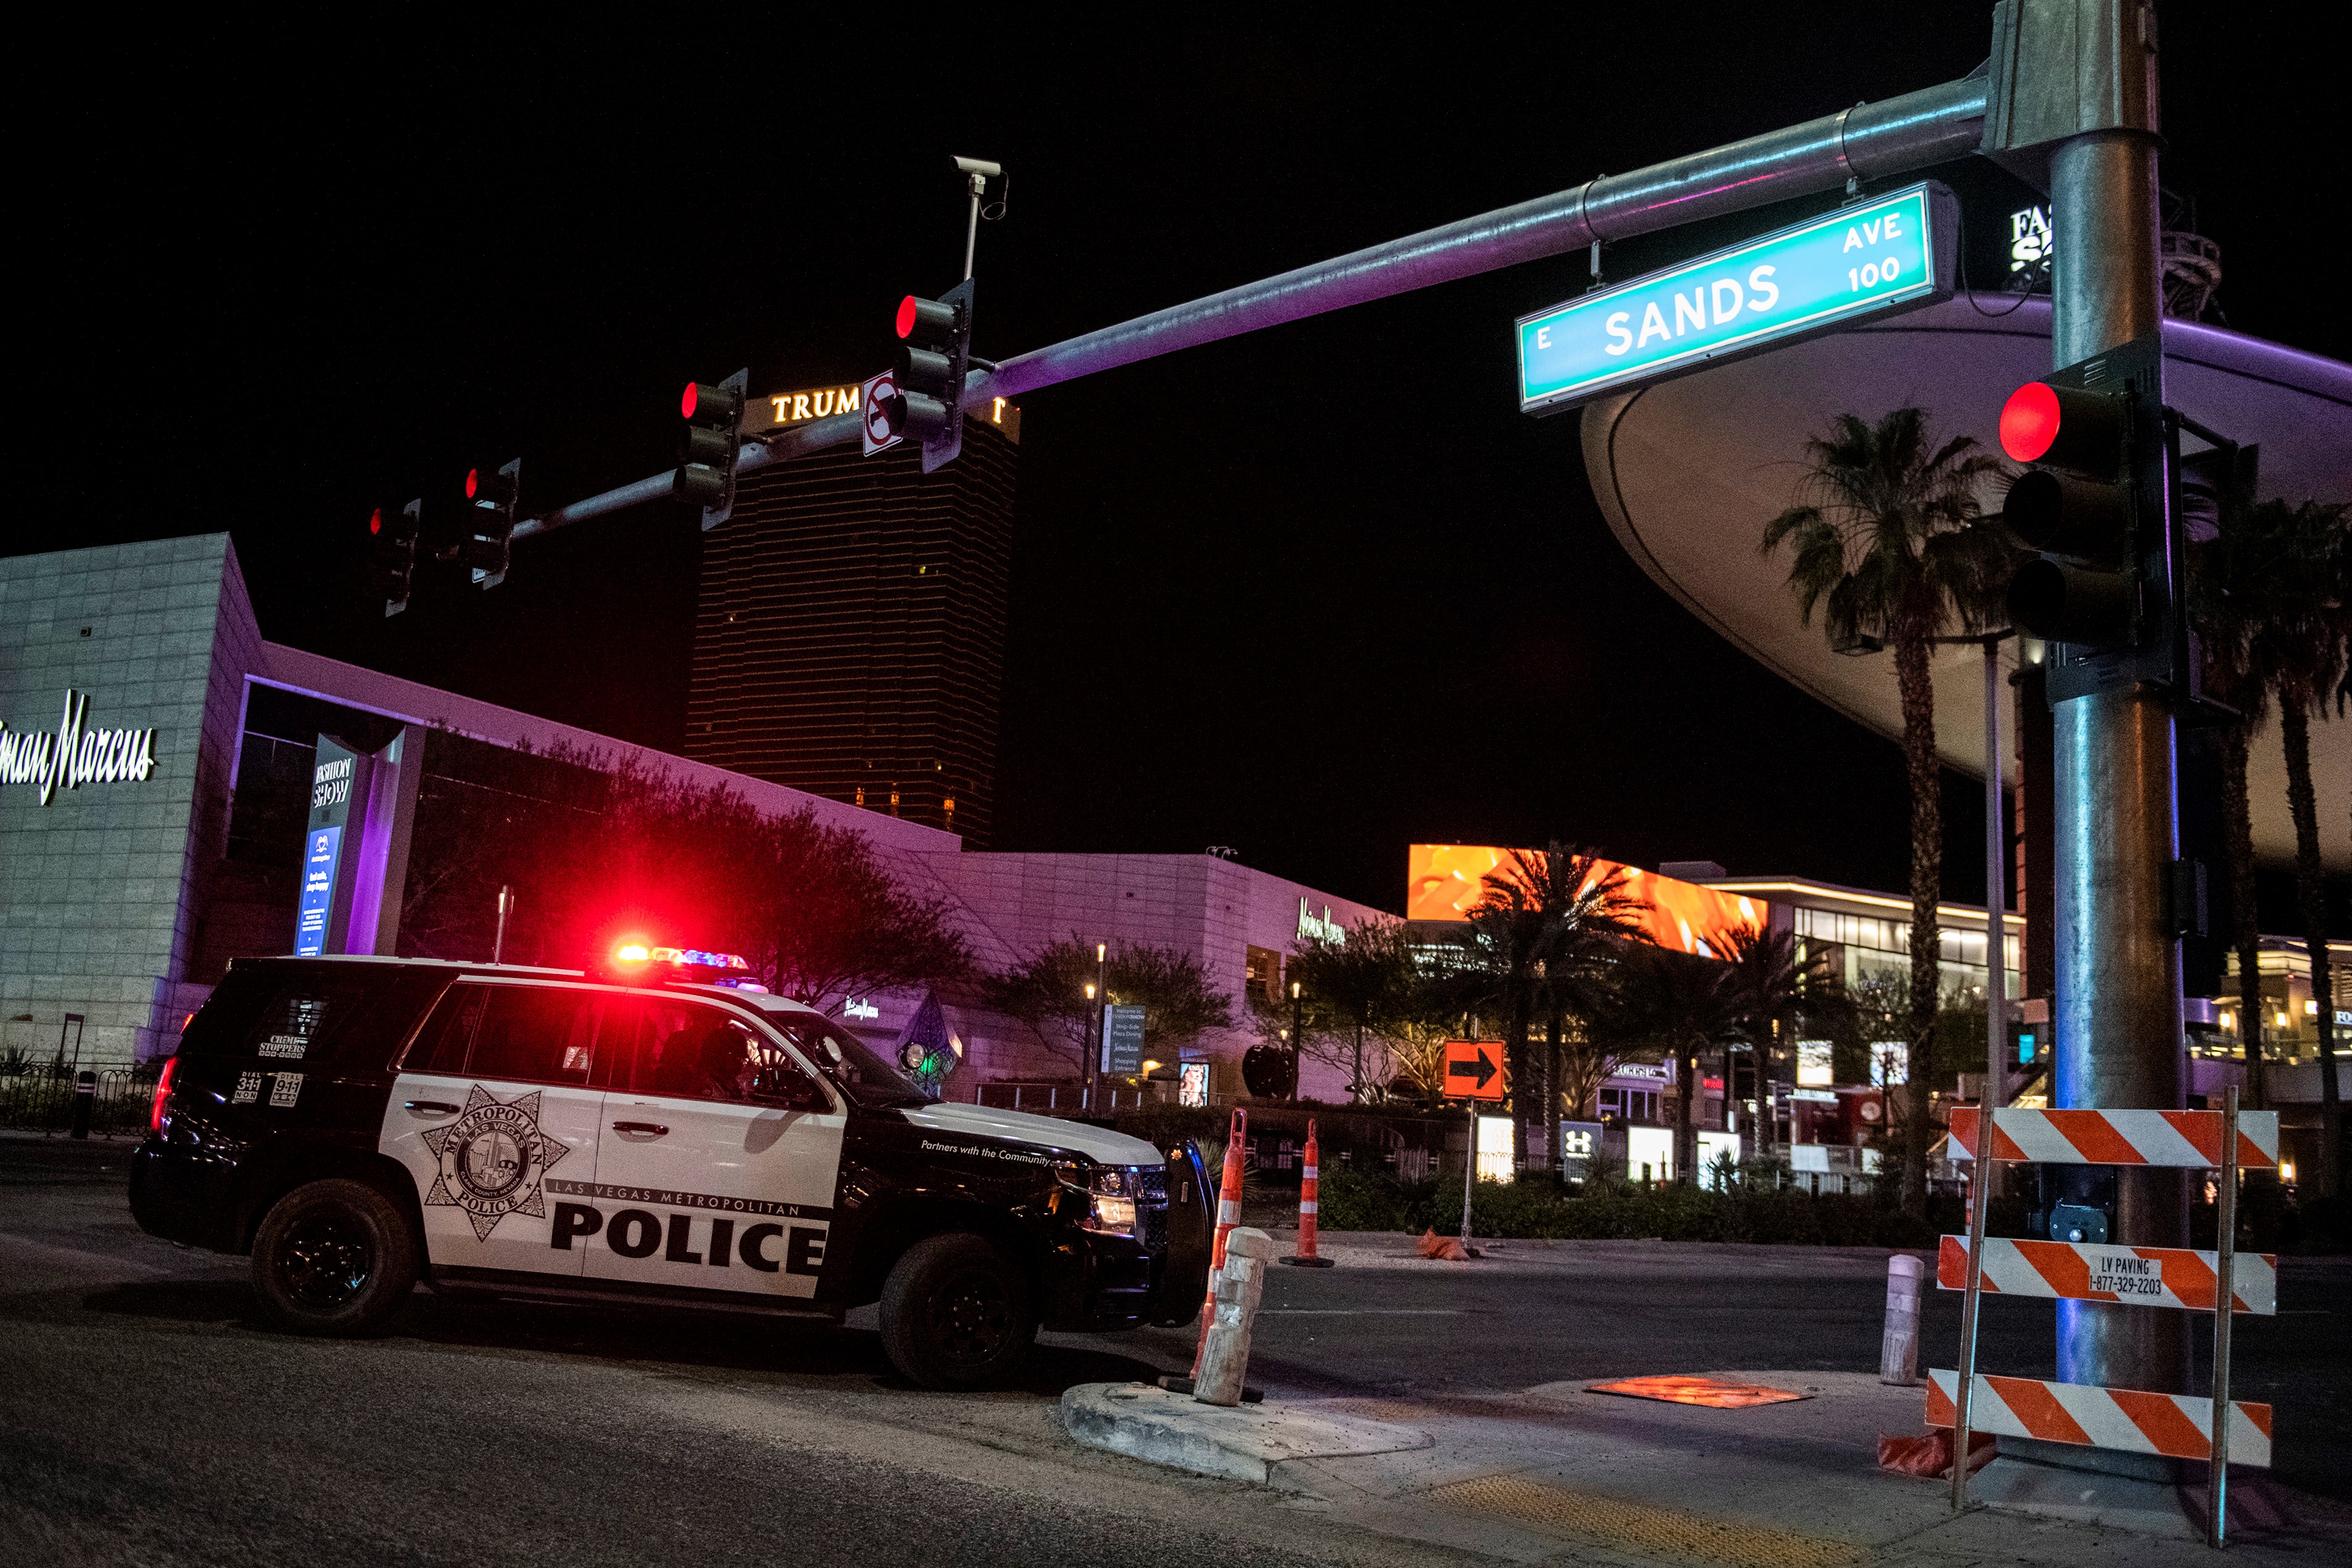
x=325 y=847
x=1122 y=1051
x=1868 y=259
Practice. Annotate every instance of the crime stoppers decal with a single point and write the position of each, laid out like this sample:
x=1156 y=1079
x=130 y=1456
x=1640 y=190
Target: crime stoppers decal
x=492 y=1159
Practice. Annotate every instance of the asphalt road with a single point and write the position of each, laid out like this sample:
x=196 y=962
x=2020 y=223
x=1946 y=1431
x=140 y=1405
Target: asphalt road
x=146 y=1416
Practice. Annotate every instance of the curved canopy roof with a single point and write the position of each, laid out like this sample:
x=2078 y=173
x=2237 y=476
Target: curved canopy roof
x=1688 y=471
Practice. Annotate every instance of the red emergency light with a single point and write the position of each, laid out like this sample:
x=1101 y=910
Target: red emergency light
x=638 y=961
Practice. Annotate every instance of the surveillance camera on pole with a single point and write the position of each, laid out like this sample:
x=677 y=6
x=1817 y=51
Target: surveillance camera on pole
x=709 y=446
x=977 y=173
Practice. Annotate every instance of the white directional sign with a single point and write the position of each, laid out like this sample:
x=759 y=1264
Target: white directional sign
x=1894 y=253
x=879 y=401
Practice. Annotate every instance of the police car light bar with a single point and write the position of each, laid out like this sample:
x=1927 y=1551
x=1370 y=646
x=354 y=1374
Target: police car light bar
x=635 y=960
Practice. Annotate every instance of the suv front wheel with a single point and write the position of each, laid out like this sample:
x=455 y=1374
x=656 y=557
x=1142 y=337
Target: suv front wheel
x=334 y=1258
x=957 y=1313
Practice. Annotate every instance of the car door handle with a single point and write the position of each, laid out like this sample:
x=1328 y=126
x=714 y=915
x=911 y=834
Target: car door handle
x=432 y=1107
x=646 y=1129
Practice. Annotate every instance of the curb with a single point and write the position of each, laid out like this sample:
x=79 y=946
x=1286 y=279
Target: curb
x=1243 y=1444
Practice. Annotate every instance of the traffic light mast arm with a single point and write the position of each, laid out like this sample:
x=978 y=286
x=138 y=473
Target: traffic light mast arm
x=1868 y=142
x=838 y=430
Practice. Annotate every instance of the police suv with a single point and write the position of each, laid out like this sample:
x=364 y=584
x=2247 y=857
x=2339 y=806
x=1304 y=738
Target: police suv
x=641 y=1136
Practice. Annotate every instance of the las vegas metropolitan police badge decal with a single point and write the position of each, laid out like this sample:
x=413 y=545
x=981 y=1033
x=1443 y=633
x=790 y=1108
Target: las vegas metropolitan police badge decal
x=492 y=1159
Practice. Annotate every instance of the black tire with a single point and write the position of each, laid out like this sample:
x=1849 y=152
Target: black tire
x=334 y=1258
x=957 y=1313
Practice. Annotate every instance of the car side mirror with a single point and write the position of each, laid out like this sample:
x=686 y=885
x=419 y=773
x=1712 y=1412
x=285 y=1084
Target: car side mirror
x=788 y=1087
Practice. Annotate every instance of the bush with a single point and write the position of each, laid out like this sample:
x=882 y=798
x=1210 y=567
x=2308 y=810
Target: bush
x=1536 y=1208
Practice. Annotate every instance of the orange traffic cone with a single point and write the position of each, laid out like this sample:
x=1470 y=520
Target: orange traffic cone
x=1307 y=1208
x=1229 y=1213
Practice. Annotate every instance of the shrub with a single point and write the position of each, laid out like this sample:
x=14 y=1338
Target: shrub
x=1536 y=1208
x=1357 y=1200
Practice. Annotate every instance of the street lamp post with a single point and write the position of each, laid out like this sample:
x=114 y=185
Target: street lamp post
x=1096 y=995
x=1092 y=1048
x=1296 y=1039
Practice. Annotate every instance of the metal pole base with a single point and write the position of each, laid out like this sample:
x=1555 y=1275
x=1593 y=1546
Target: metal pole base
x=2080 y=1496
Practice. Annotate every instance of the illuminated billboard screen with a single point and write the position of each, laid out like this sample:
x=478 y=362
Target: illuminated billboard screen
x=1445 y=881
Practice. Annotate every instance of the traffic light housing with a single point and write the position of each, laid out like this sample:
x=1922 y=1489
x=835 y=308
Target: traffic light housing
x=708 y=445
x=489 y=522
x=2105 y=589
x=391 y=554
x=934 y=355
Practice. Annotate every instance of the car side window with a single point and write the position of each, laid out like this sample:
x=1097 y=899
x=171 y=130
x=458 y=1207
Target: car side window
x=441 y=1045
x=535 y=1034
x=690 y=1052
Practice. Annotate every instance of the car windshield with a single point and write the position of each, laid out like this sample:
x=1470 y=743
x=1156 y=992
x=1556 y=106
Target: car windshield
x=850 y=1062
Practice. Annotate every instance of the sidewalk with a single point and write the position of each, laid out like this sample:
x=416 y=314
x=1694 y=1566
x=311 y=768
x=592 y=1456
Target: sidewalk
x=1557 y=1472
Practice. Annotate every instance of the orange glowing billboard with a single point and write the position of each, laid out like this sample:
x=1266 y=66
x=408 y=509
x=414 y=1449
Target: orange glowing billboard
x=1445 y=882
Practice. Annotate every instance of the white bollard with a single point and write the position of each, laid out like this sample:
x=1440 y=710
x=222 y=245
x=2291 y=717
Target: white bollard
x=1225 y=1359
x=1898 y=1352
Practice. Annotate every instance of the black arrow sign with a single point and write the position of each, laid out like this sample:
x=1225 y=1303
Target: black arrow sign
x=1481 y=1069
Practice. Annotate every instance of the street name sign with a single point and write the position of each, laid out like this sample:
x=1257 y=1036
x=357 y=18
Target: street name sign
x=1869 y=258
x=1474 y=1070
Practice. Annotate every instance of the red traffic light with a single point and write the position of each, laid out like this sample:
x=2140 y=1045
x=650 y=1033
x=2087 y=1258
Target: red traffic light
x=375 y=521
x=473 y=482
x=2067 y=427
x=2029 y=422
x=926 y=321
x=686 y=403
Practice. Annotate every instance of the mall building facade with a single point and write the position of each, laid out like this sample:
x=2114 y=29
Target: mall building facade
x=166 y=774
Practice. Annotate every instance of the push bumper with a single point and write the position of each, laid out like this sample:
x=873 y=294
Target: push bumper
x=1096 y=1283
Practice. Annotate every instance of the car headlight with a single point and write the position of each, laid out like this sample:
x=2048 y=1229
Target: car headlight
x=1110 y=1196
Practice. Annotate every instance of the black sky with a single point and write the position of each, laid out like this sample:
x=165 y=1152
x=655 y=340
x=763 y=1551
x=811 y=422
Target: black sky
x=1314 y=593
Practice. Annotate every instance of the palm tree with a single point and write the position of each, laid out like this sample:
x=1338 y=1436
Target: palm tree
x=2228 y=577
x=1666 y=1003
x=1890 y=544
x=1548 y=917
x=1773 y=992
x=2298 y=644
x=1507 y=933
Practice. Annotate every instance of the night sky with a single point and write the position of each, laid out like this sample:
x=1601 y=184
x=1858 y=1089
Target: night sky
x=1314 y=593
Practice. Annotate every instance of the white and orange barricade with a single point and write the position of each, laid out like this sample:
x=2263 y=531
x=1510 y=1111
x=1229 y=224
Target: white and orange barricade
x=2215 y=1429
x=2101 y=1271
x=2190 y=1138
x=1229 y=1213
x=2176 y=1426
x=1309 y=1205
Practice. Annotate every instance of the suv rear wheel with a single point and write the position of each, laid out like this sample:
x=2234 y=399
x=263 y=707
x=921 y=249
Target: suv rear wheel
x=957 y=1313
x=334 y=1258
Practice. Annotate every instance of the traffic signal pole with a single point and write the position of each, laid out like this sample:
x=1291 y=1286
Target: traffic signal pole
x=2118 y=1015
